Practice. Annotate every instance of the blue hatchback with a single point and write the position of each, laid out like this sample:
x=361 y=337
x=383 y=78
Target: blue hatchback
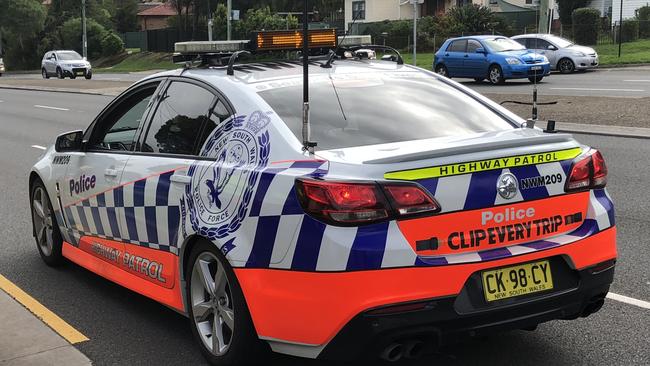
x=495 y=58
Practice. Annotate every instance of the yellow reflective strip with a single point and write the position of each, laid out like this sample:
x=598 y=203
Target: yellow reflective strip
x=484 y=165
x=59 y=325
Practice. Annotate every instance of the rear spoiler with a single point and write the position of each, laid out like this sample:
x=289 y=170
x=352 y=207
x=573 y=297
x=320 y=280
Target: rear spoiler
x=458 y=149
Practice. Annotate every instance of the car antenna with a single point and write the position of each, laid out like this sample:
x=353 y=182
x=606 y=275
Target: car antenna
x=307 y=145
x=332 y=54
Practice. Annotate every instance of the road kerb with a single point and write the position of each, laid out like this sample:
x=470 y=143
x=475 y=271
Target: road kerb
x=603 y=130
x=59 y=325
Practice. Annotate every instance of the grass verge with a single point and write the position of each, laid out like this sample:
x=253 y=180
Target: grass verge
x=636 y=52
x=142 y=61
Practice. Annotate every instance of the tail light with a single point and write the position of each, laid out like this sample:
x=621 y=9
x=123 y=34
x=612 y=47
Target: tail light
x=588 y=172
x=356 y=203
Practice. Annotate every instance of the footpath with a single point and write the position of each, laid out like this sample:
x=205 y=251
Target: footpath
x=26 y=340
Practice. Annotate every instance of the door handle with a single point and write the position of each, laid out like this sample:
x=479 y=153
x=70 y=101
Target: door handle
x=447 y=54
x=466 y=55
x=110 y=173
x=182 y=179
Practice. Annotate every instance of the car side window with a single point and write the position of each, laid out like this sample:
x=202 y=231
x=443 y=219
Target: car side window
x=218 y=115
x=117 y=130
x=179 y=117
x=538 y=44
x=522 y=41
x=473 y=45
x=457 y=46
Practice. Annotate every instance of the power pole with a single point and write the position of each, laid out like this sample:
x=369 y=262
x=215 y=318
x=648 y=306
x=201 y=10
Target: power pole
x=229 y=6
x=620 y=30
x=415 y=30
x=84 y=40
x=209 y=22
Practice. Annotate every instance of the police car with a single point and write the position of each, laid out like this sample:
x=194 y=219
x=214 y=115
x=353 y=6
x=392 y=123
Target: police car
x=417 y=211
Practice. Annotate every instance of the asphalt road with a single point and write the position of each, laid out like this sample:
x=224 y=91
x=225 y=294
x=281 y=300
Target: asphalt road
x=633 y=82
x=628 y=82
x=126 y=328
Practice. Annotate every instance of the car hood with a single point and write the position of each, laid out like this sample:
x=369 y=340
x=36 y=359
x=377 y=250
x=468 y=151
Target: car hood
x=524 y=55
x=583 y=49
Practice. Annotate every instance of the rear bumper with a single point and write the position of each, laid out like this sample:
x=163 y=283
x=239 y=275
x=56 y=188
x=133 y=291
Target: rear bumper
x=317 y=314
x=443 y=322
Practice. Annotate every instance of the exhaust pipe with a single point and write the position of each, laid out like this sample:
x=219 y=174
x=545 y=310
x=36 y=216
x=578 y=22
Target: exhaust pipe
x=392 y=353
x=413 y=349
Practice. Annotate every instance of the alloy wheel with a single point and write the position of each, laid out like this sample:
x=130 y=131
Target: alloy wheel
x=212 y=306
x=495 y=75
x=566 y=66
x=43 y=221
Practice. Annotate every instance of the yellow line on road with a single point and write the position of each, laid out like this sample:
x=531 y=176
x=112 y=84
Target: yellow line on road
x=48 y=317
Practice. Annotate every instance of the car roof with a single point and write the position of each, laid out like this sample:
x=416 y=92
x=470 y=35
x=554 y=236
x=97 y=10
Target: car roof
x=538 y=35
x=483 y=36
x=251 y=73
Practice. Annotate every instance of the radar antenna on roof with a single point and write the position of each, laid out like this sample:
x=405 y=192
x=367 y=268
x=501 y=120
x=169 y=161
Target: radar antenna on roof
x=307 y=144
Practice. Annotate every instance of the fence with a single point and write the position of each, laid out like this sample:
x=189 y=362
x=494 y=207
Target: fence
x=631 y=30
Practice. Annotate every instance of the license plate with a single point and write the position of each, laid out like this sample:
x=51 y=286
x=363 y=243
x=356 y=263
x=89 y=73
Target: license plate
x=535 y=67
x=518 y=280
x=80 y=72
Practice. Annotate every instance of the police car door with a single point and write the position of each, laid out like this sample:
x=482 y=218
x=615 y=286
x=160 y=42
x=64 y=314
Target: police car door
x=156 y=176
x=90 y=193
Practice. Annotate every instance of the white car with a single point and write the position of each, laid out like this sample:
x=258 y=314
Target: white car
x=426 y=211
x=65 y=64
x=564 y=56
x=2 y=66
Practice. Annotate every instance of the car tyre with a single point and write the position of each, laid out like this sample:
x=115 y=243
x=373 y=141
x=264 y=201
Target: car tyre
x=479 y=80
x=59 y=73
x=536 y=79
x=89 y=75
x=442 y=70
x=215 y=301
x=73 y=76
x=45 y=74
x=45 y=227
x=495 y=75
x=566 y=66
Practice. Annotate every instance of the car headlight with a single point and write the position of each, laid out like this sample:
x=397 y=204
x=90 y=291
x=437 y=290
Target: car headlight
x=579 y=54
x=513 y=61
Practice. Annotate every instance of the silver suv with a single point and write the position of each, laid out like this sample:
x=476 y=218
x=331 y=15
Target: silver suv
x=65 y=63
x=2 y=66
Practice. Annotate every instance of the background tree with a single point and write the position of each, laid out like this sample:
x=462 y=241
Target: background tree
x=586 y=25
x=126 y=16
x=20 y=24
x=566 y=8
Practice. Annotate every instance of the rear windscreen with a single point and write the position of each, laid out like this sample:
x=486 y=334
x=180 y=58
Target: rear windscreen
x=376 y=108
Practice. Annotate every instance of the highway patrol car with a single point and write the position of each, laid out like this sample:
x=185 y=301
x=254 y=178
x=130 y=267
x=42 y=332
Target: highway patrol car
x=426 y=212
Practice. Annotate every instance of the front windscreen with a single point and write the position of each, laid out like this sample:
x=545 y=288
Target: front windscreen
x=349 y=110
x=560 y=42
x=68 y=56
x=503 y=44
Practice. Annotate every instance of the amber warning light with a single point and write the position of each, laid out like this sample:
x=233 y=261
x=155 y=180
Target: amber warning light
x=292 y=39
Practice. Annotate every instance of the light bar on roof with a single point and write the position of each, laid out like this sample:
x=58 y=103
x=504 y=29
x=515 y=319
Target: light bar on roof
x=210 y=46
x=355 y=40
x=292 y=39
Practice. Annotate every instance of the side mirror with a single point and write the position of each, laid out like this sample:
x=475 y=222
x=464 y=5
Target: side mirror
x=551 y=47
x=69 y=141
x=481 y=50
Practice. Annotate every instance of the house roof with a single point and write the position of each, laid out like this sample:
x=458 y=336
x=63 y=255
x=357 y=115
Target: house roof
x=164 y=10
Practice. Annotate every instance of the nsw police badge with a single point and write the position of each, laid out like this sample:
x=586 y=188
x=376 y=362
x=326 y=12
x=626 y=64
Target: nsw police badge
x=221 y=190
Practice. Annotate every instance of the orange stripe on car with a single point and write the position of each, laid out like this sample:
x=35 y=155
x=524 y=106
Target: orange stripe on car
x=494 y=227
x=284 y=304
x=118 y=273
